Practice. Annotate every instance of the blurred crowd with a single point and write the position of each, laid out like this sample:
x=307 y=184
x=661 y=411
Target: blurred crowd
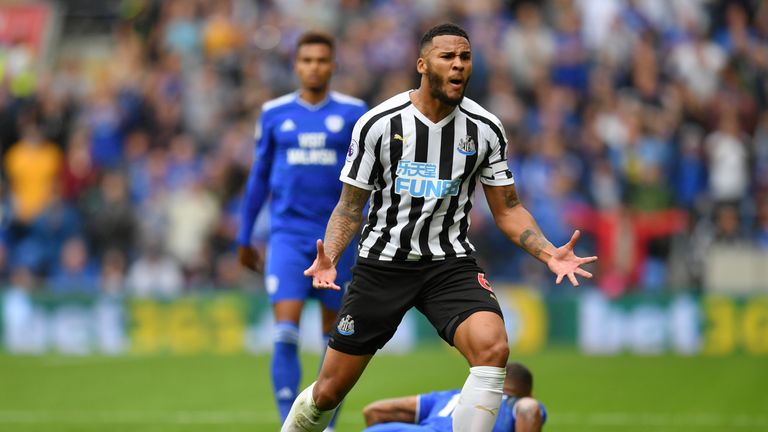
x=644 y=123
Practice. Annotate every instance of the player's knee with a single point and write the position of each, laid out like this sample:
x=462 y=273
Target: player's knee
x=490 y=353
x=326 y=396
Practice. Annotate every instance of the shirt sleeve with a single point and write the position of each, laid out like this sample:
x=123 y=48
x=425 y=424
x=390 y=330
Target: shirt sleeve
x=424 y=405
x=361 y=157
x=257 y=188
x=495 y=171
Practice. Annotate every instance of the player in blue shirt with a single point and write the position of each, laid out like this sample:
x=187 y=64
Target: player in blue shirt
x=302 y=140
x=432 y=412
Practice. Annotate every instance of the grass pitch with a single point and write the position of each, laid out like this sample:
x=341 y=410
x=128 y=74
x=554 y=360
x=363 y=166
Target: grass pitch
x=232 y=393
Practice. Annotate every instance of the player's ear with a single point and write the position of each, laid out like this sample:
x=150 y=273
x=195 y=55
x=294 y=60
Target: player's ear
x=421 y=66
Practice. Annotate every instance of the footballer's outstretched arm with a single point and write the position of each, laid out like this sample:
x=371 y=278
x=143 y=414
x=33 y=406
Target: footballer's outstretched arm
x=519 y=226
x=342 y=226
x=401 y=410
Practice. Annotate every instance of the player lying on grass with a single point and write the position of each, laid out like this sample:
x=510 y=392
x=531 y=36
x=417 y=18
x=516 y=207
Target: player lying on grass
x=519 y=411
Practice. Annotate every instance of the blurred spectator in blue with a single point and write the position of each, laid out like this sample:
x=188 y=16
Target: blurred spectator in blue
x=75 y=273
x=182 y=31
x=38 y=244
x=689 y=174
x=185 y=165
x=570 y=67
x=761 y=233
x=102 y=116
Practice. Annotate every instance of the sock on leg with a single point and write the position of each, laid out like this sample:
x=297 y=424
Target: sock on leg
x=332 y=424
x=305 y=416
x=480 y=400
x=285 y=370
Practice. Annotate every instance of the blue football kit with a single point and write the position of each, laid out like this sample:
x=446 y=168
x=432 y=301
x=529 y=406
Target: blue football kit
x=300 y=152
x=434 y=413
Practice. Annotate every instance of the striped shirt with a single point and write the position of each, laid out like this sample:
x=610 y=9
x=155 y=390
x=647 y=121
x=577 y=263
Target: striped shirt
x=422 y=176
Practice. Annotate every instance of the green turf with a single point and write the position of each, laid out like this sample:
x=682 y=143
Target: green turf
x=209 y=393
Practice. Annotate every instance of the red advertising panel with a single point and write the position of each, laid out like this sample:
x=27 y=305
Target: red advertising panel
x=24 y=24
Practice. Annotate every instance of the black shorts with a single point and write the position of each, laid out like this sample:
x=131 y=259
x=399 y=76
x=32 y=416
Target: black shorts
x=381 y=292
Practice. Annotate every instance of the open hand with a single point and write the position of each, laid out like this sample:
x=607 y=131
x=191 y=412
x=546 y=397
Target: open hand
x=565 y=263
x=322 y=271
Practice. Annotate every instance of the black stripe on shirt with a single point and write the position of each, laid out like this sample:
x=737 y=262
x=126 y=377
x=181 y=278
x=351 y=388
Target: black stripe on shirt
x=377 y=202
x=447 y=143
x=364 y=134
x=417 y=203
x=395 y=153
x=468 y=170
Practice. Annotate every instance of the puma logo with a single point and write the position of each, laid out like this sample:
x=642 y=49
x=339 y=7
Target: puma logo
x=399 y=138
x=491 y=411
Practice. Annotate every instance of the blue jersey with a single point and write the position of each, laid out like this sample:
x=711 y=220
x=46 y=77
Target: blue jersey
x=436 y=411
x=300 y=151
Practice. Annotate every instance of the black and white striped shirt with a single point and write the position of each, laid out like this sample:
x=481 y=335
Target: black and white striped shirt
x=422 y=175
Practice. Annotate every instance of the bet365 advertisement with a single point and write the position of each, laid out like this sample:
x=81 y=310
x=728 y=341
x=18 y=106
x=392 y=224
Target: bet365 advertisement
x=226 y=323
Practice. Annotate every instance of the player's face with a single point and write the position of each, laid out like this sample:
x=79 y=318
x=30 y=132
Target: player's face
x=314 y=66
x=448 y=66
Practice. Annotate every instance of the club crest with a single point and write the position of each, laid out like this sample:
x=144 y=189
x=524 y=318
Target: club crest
x=467 y=146
x=334 y=123
x=346 y=326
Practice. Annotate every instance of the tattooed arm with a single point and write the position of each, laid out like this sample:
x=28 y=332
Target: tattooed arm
x=516 y=222
x=342 y=226
x=345 y=220
x=520 y=227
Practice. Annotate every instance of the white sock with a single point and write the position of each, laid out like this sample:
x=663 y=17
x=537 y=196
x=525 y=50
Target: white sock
x=480 y=400
x=305 y=416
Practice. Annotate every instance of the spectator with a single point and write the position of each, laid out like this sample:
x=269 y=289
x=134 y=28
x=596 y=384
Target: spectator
x=74 y=273
x=32 y=166
x=154 y=273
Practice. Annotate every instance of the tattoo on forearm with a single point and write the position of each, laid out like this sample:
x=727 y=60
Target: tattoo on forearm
x=533 y=241
x=345 y=221
x=510 y=197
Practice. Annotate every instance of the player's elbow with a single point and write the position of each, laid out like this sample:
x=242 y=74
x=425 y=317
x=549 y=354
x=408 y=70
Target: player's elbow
x=529 y=415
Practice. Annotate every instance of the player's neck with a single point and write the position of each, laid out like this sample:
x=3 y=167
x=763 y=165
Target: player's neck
x=313 y=97
x=432 y=108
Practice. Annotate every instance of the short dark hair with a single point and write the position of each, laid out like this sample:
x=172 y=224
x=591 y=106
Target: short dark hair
x=522 y=377
x=442 y=30
x=315 y=37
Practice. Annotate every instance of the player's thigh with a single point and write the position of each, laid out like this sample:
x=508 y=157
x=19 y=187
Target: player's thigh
x=398 y=427
x=374 y=304
x=453 y=292
x=287 y=258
